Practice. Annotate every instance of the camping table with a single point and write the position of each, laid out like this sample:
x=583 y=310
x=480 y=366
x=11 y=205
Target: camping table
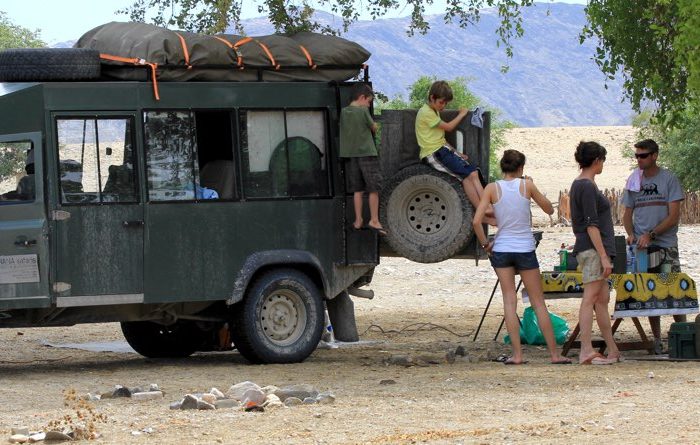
x=637 y=295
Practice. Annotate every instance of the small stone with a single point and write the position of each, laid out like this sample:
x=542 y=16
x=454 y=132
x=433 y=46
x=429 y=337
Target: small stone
x=23 y=430
x=136 y=433
x=650 y=374
x=57 y=436
x=201 y=404
x=176 y=405
x=271 y=399
x=147 y=395
x=37 y=437
x=216 y=393
x=609 y=428
x=106 y=395
x=189 y=402
x=292 y=401
x=209 y=398
x=121 y=391
x=136 y=389
x=300 y=392
x=153 y=387
x=325 y=398
x=450 y=357
x=227 y=403
x=148 y=430
x=19 y=438
x=460 y=351
x=236 y=391
x=254 y=396
x=270 y=389
x=309 y=401
x=387 y=382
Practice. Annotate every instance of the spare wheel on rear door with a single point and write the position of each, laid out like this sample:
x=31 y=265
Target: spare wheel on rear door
x=427 y=214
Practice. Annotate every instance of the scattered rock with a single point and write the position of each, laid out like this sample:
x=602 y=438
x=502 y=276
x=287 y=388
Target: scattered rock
x=209 y=398
x=147 y=395
x=37 y=437
x=300 y=391
x=253 y=396
x=216 y=393
x=309 y=401
x=292 y=401
x=176 y=405
x=153 y=387
x=270 y=389
x=236 y=391
x=23 y=430
x=189 y=402
x=57 y=436
x=201 y=404
x=387 y=382
x=121 y=391
x=460 y=351
x=227 y=403
x=650 y=375
x=325 y=398
x=19 y=438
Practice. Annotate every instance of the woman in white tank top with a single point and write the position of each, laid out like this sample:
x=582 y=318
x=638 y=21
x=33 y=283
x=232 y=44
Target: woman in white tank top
x=512 y=251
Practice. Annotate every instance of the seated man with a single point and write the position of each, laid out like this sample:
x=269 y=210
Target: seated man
x=26 y=187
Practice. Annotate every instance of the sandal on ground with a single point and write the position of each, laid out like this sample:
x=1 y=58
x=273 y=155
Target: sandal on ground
x=510 y=361
x=380 y=230
x=562 y=361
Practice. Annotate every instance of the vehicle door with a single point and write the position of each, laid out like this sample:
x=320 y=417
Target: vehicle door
x=98 y=214
x=24 y=256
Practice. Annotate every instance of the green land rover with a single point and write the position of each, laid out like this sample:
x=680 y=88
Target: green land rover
x=204 y=215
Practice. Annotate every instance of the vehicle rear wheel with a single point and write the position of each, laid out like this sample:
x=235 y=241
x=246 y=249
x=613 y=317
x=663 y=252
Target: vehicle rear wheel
x=427 y=214
x=37 y=64
x=154 y=340
x=280 y=319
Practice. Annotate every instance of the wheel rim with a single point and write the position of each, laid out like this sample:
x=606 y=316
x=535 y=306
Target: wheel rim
x=426 y=211
x=283 y=317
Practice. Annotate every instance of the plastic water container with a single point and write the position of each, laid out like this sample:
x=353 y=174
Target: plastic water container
x=631 y=264
x=642 y=260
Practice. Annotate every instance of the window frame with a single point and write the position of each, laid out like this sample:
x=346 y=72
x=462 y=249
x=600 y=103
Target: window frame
x=130 y=118
x=326 y=153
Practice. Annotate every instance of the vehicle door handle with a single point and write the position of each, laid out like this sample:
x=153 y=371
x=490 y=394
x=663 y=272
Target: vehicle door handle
x=135 y=223
x=25 y=242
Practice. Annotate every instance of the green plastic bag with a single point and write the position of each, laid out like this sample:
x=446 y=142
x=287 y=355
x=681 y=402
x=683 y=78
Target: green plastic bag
x=530 y=333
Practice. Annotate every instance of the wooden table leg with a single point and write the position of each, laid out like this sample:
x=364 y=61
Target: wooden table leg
x=570 y=341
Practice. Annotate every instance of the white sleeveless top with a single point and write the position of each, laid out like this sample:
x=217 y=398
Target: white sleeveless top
x=513 y=218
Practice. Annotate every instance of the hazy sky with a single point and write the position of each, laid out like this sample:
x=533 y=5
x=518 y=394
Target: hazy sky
x=69 y=19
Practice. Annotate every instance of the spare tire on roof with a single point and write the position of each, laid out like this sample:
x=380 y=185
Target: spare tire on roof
x=41 y=64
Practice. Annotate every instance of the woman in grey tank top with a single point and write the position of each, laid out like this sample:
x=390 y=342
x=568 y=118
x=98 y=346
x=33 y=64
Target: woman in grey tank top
x=513 y=250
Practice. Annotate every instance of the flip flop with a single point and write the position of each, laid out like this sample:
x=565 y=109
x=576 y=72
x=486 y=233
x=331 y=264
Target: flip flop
x=564 y=361
x=380 y=231
x=510 y=361
x=618 y=358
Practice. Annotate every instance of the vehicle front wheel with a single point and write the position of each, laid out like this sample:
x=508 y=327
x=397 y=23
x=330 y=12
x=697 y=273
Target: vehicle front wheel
x=155 y=340
x=280 y=319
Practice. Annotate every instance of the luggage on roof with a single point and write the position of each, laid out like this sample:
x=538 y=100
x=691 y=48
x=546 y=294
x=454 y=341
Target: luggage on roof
x=183 y=56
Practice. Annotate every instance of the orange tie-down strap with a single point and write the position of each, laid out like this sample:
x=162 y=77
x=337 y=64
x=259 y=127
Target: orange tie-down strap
x=239 y=58
x=243 y=41
x=136 y=61
x=185 y=52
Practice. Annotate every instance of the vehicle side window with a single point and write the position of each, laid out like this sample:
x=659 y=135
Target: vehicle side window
x=17 y=180
x=283 y=153
x=173 y=160
x=96 y=160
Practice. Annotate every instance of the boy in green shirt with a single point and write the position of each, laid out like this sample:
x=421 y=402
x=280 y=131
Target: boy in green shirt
x=436 y=152
x=362 y=163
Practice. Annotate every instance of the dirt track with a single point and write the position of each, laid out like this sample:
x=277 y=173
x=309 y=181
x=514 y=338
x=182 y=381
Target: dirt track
x=466 y=402
x=420 y=310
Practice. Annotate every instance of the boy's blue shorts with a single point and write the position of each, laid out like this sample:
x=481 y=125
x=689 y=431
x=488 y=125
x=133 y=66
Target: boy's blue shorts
x=446 y=160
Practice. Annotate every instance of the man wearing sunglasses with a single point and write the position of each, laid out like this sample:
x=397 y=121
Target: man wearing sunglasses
x=652 y=214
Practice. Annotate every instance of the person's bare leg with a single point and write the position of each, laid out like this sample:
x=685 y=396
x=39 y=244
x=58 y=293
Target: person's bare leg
x=357 y=203
x=506 y=277
x=474 y=190
x=602 y=316
x=585 y=319
x=374 y=210
x=533 y=284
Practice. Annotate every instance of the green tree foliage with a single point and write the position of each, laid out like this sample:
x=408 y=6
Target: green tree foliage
x=654 y=45
x=290 y=16
x=463 y=98
x=13 y=36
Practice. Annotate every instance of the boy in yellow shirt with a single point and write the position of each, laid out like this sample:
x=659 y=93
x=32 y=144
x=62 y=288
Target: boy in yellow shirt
x=436 y=152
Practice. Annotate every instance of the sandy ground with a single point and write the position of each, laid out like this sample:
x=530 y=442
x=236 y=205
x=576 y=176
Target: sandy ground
x=422 y=311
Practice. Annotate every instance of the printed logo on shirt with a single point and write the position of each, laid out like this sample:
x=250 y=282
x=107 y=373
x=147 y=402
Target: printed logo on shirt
x=650 y=189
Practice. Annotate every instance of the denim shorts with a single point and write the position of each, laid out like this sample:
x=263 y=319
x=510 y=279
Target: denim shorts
x=517 y=260
x=445 y=160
